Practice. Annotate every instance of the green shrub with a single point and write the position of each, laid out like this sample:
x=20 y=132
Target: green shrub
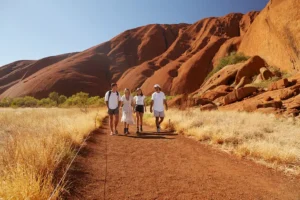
x=233 y=58
x=30 y=101
x=5 y=102
x=47 y=102
x=95 y=101
x=62 y=99
x=54 y=96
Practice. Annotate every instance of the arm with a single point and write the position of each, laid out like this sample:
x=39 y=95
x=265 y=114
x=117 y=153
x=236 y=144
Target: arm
x=166 y=104
x=151 y=105
x=145 y=106
x=106 y=100
x=133 y=104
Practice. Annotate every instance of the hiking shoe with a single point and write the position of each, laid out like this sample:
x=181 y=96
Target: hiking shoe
x=158 y=129
x=141 y=129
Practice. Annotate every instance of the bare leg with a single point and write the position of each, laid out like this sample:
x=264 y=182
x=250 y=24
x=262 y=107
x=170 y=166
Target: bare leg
x=137 y=119
x=157 y=121
x=161 y=120
x=116 y=121
x=141 y=119
x=111 y=123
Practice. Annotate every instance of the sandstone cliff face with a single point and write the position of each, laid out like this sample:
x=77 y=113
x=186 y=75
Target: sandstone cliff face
x=92 y=70
x=183 y=67
x=275 y=35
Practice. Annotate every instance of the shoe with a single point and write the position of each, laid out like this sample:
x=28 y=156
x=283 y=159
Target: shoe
x=158 y=129
x=116 y=132
x=112 y=133
x=125 y=131
x=141 y=129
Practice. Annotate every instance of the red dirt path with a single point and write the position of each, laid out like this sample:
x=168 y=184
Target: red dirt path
x=170 y=166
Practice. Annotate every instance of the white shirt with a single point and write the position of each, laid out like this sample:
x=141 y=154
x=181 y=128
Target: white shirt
x=158 y=101
x=113 y=101
x=139 y=100
x=126 y=103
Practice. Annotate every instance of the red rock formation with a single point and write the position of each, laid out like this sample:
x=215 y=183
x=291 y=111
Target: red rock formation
x=274 y=35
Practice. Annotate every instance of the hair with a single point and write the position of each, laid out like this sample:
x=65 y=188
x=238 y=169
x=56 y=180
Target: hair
x=126 y=89
x=113 y=84
x=141 y=91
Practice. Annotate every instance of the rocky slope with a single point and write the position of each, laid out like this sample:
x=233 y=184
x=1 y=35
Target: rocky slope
x=179 y=58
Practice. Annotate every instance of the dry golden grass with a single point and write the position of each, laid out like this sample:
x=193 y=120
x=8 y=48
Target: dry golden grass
x=36 y=146
x=269 y=140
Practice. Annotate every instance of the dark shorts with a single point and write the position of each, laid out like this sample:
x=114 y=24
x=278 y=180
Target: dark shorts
x=113 y=111
x=139 y=108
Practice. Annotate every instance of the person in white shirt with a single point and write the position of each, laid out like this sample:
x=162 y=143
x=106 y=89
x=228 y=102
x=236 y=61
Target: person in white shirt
x=140 y=108
x=112 y=100
x=158 y=101
x=127 y=107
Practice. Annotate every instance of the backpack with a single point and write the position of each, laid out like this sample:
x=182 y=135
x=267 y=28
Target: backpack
x=109 y=93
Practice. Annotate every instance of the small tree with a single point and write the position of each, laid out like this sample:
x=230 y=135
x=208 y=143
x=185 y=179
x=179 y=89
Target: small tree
x=62 y=99
x=54 y=96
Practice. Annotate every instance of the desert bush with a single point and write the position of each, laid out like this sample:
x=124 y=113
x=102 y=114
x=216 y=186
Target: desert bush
x=54 y=96
x=62 y=99
x=36 y=144
x=5 y=102
x=266 y=138
x=231 y=59
x=47 y=102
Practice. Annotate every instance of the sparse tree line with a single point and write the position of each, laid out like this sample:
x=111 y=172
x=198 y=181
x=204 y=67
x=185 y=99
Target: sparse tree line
x=81 y=99
x=54 y=99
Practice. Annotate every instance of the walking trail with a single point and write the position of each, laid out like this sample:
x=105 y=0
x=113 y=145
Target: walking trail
x=169 y=166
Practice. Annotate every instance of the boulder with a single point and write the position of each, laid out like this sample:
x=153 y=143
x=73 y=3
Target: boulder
x=273 y=104
x=209 y=107
x=268 y=98
x=265 y=73
x=286 y=94
x=250 y=68
x=212 y=95
x=200 y=101
x=230 y=98
x=281 y=84
x=245 y=80
x=223 y=88
x=241 y=93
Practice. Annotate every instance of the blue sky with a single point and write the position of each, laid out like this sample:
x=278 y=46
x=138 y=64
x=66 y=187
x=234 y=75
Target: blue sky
x=33 y=29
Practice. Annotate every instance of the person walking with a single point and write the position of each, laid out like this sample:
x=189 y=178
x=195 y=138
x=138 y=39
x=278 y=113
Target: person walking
x=158 y=100
x=127 y=108
x=112 y=100
x=140 y=108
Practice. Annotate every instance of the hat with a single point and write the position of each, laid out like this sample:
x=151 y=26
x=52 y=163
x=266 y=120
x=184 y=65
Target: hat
x=156 y=85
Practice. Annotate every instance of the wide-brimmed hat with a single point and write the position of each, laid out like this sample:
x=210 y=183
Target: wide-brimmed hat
x=157 y=86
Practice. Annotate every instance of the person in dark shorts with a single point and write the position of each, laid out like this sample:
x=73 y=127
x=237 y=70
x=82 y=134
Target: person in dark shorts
x=140 y=108
x=112 y=100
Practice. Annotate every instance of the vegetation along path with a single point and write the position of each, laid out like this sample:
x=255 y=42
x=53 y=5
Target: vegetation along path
x=170 y=166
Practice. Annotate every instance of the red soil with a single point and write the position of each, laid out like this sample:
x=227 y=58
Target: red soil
x=170 y=166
